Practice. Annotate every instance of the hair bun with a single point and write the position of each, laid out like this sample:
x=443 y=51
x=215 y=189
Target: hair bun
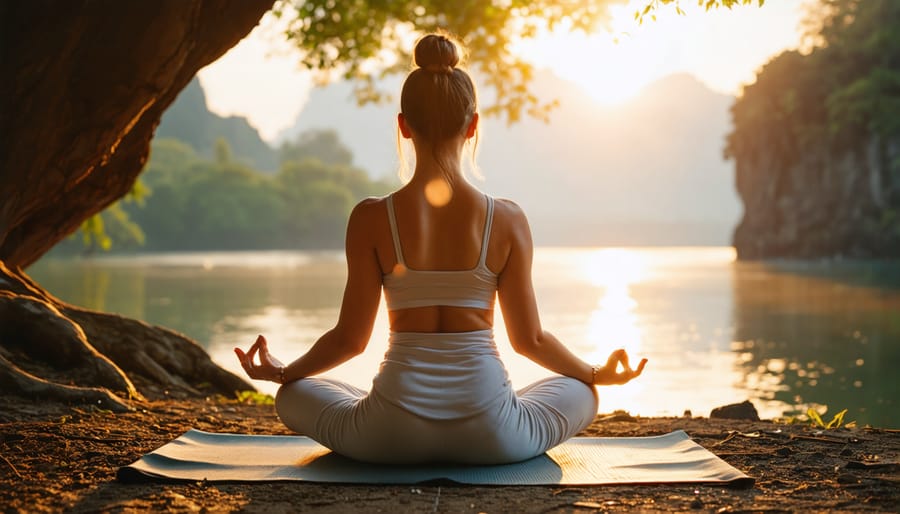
x=436 y=53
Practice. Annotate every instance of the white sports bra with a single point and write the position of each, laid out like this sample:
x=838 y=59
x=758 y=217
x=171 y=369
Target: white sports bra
x=406 y=288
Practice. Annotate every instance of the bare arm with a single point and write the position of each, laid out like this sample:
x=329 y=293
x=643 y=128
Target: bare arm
x=523 y=325
x=359 y=307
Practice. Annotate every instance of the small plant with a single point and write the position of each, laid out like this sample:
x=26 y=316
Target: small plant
x=254 y=398
x=836 y=422
x=815 y=419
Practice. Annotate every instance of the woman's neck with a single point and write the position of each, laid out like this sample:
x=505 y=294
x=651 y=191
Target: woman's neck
x=431 y=165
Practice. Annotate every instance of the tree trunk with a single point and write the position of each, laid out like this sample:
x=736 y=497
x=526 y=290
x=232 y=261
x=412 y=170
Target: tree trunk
x=86 y=83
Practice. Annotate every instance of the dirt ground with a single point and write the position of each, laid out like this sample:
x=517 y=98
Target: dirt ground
x=58 y=458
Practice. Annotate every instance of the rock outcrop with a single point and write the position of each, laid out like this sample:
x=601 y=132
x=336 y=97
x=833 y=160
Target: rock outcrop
x=826 y=204
x=816 y=142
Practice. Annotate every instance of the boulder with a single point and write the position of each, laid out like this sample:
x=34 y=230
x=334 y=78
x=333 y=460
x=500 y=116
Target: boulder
x=743 y=410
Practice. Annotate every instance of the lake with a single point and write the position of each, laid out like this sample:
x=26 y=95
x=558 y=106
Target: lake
x=786 y=335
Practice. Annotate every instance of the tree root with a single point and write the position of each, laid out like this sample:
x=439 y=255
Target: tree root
x=17 y=381
x=59 y=351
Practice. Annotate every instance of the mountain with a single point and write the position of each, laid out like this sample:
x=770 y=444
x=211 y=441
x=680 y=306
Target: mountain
x=190 y=120
x=648 y=172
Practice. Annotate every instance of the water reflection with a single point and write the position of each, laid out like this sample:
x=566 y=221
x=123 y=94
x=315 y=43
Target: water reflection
x=615 y=271
x=615 y=319
x=218 y=299
x=716 y=331
x=806 y=339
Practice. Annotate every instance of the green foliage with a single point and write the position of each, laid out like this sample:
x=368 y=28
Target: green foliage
x=227 y=206
x=94 y=235
x=222 y=151
x=319 y=188
x=114 y=224
x=362 y=40
x=655 y=5
x=814 y=419
x=836 y=422
x=254 y=398
x=221 y=204
x=845 y=91
x=323 y=145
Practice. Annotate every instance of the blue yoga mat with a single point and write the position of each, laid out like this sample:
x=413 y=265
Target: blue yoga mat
x=669 y=458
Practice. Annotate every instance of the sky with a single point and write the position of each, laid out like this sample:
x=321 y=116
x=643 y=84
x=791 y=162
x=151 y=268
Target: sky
x=261 y=80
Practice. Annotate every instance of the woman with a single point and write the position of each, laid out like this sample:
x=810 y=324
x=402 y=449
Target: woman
x=441 y=250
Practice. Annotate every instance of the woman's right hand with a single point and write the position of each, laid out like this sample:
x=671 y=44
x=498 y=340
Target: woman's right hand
x=269 y=368
x=610 y=375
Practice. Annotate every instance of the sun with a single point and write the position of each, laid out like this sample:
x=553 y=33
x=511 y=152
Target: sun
x=612 y=66
x=722 y=48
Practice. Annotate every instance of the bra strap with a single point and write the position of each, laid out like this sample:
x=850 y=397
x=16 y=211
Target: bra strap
x=488 y=221
x=398 y=252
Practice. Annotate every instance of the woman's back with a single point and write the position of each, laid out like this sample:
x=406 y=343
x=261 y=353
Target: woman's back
x=453 y=246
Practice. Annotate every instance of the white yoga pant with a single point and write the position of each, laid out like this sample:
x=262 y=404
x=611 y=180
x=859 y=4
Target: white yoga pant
x=366 y=427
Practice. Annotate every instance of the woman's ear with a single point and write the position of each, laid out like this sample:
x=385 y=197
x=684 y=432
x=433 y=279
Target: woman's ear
x=404 y=128
x=473 y=126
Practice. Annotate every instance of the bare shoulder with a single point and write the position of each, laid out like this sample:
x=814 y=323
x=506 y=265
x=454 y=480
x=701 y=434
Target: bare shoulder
x=369 y=204
x=367 y=211
x=509 y=210
x=511 y=219
x=366 y=219
x=511 y=234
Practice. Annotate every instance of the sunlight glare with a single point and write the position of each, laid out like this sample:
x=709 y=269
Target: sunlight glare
x=614 y=323
x=615 y=267
x=722 y=48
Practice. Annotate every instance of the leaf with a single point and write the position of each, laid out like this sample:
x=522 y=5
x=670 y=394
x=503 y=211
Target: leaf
x=837 y=420
x=814 y=417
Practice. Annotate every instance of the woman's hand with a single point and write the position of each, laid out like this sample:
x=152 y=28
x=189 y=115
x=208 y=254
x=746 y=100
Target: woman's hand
x=269 y=368
x=609 y=374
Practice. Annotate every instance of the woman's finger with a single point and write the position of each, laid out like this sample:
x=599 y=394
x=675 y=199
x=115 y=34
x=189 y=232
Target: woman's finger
x=245 y=362
x=640 y=367
x=623 y=359
x=264 y=355
x=630 y=374
x=251 y=354
x=613 y=361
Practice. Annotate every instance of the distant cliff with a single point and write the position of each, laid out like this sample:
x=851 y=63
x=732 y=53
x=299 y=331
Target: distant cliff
x=816 y=143
x=189 y=119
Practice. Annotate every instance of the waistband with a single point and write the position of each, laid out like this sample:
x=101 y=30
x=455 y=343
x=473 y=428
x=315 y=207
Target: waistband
x=471 y=336
x=442 y=375
x=476 y=341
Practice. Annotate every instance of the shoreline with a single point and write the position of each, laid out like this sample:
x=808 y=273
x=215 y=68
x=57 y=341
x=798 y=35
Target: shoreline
x=59 y=458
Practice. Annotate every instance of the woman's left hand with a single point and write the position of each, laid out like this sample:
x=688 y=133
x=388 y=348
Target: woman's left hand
x=610 y=375
x=269 y=368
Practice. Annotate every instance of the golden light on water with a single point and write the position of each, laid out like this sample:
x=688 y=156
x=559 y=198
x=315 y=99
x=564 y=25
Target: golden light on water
x=614 y=322
x=615 y=267
x=716 y=331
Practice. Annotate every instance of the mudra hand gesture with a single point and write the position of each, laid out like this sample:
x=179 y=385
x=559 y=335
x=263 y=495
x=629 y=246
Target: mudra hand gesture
x=269 y=368
x=610 y=375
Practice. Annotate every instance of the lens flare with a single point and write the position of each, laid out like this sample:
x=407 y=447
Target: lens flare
x=438 y=192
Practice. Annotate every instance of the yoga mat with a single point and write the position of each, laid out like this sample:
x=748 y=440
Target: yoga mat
x=669 y=458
